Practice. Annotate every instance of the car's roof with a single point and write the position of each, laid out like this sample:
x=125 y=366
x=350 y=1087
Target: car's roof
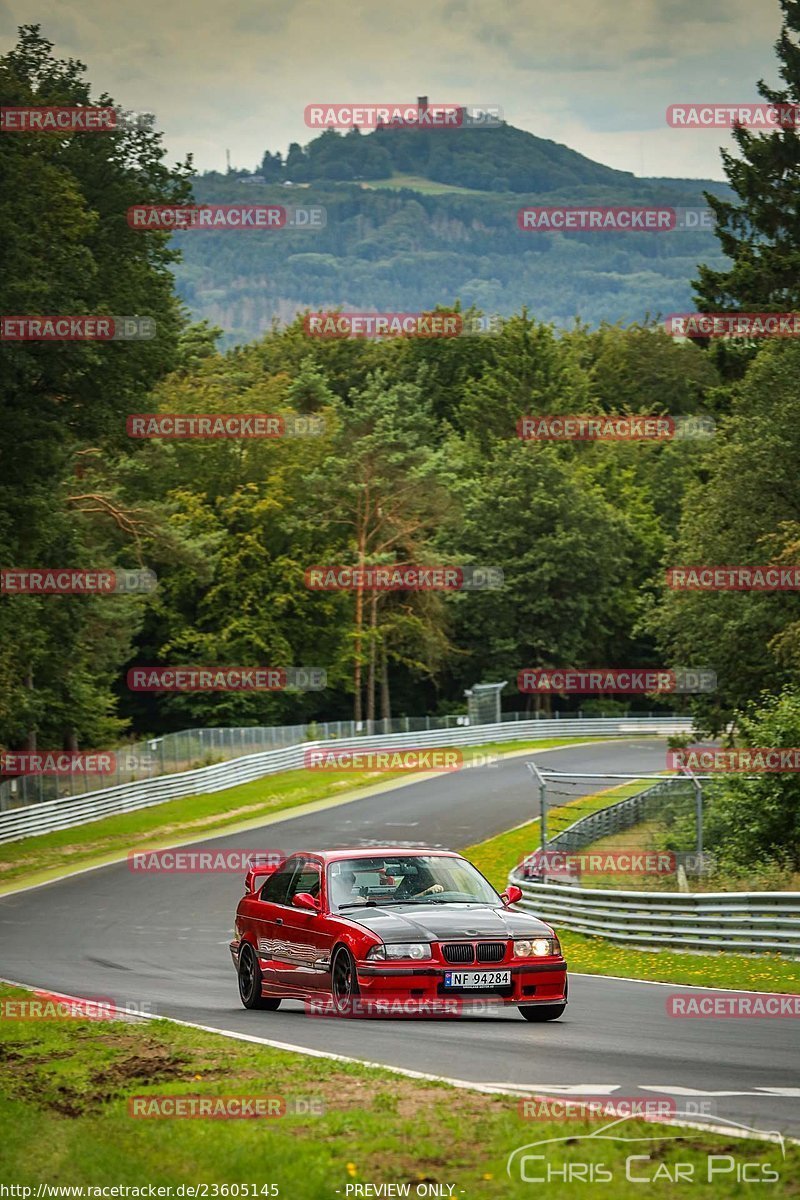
x=376 y=852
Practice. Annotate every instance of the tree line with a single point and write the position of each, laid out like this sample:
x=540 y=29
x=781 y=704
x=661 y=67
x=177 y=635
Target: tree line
x=418 y=460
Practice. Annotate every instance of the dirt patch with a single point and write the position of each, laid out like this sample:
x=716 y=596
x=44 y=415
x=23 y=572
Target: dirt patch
x=151 y=1066
x=28 y=1076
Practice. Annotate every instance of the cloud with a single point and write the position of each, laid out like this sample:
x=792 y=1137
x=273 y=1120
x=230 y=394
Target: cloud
x=596 y=77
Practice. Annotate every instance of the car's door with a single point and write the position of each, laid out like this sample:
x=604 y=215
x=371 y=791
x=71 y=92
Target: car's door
x=301 y=960
x=266 y=916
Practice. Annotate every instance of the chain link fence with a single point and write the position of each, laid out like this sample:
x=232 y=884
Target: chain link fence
x=189 y=749
x=667 y=818
x=175 y=752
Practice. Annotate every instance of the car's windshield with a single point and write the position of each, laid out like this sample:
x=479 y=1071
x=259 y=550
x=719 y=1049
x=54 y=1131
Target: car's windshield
x=416 y=879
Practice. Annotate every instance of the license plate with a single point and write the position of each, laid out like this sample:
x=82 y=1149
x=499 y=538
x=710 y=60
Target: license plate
x=477 y=979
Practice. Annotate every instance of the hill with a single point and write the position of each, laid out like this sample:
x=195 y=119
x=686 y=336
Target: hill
x=502 y=159
x=416 y=219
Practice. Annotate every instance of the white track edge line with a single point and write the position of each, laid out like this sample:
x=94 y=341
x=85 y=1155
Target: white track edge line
x=761 y=1135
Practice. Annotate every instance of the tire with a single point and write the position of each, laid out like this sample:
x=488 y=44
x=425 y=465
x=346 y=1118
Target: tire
x=344 y=982
x=542 y=1012
x=250 y=981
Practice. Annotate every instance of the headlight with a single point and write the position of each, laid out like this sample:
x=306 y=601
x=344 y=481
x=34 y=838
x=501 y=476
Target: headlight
x=537 y=947
x=414 y=950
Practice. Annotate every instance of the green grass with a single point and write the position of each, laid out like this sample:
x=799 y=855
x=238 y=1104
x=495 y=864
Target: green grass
x=65 y=1087
x=598 y=956
x=420 y=184
x=245 y=806
x=655 y=835
x=499 y=855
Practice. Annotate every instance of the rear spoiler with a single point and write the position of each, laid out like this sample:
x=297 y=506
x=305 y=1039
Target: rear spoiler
x=257 y=871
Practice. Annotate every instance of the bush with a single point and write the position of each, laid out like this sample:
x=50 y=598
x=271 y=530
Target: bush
x=754 y=821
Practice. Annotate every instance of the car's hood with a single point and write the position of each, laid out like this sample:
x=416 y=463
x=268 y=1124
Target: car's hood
x=446 y=922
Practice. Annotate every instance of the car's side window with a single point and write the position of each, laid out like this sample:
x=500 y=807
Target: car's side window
x=307 y=879
x=275 y=889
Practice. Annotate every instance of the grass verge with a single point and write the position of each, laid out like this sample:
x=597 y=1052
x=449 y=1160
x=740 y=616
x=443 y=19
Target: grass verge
x=419 y=183
x=66 y=1085
x=655 y=835
x=597 y=956
x=247 y=805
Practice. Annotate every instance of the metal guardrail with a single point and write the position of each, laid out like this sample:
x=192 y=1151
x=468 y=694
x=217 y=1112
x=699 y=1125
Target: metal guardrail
x=743 y=921
x=734 y=921
x=63 y=813
x=190 y=748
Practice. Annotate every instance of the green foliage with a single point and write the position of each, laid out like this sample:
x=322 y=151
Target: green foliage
x=743 y=508
x=69 y=250
x=754 y=821
x=418 y=460
x=761 y=232
x=501 y=159
x=405 y=250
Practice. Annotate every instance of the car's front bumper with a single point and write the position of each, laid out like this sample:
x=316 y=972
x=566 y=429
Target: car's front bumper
x=531 y=983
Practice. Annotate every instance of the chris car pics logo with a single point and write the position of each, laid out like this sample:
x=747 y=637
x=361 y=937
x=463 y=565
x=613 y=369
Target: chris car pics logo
x=615 y=1154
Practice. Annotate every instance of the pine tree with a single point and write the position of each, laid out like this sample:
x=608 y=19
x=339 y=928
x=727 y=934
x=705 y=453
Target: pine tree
x=761 y=233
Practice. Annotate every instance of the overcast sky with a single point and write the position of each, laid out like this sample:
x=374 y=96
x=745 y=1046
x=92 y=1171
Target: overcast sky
x=596 y=77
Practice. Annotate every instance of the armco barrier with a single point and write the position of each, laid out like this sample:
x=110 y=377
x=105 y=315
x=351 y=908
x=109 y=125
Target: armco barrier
x=51 y=815
x=744 y=921
x=188 y=749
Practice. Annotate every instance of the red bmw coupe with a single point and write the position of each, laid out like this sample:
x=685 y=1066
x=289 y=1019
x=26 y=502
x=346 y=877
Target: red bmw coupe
x=360 y=931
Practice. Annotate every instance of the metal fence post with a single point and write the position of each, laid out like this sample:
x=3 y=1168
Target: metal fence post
x=698 y=806
x=534 y=770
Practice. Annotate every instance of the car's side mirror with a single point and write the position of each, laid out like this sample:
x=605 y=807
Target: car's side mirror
x=306 y=900
x=511 y=895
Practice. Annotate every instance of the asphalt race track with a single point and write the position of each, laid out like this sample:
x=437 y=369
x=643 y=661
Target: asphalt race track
x=160 y=940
